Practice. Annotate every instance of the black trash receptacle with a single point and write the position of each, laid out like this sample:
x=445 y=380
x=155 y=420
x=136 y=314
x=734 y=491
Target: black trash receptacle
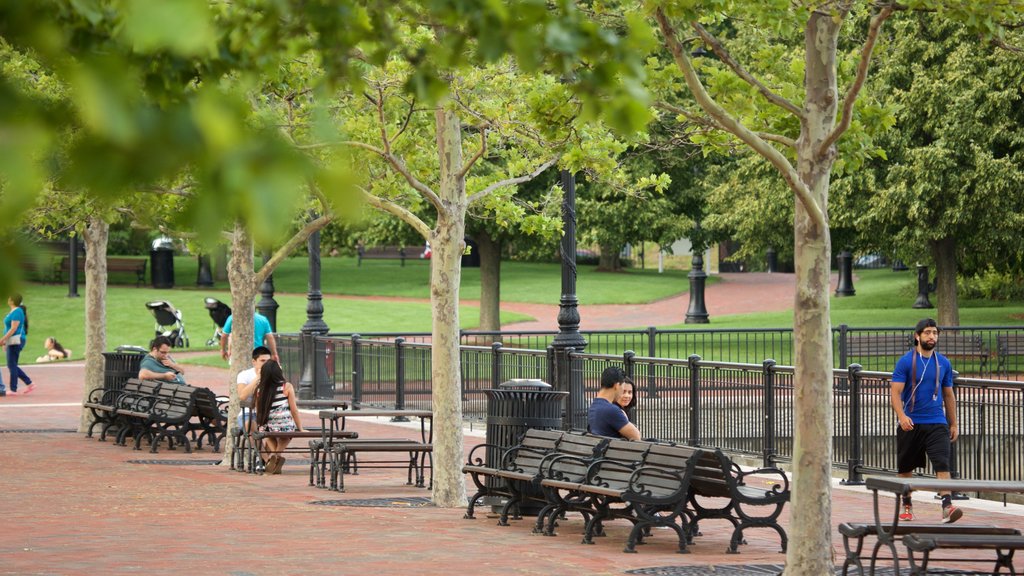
x=512 y=409
x=161 y=263
x=119 y=367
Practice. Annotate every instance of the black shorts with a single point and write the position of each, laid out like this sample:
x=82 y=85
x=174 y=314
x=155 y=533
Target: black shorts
x=925 y=439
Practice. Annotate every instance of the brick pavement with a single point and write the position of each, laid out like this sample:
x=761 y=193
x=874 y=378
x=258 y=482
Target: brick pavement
x=72 y=505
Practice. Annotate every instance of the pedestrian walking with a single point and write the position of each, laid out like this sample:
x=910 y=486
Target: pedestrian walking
x=15 y=333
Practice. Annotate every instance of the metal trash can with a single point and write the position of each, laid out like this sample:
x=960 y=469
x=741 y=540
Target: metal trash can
x=119 y=367
x=515 y=407
x=161 y=263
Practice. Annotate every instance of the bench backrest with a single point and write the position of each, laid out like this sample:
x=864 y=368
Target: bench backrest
x=615 y=466
x=959 y=344
x=206 y=404
x=579 y=451
x=1010 y=344
x=711 y=474
x=664 y=467
x=877 y=344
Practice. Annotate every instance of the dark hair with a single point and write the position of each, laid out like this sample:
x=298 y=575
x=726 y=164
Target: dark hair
x=260 y=351
x=611 y=376
x=17 y=299
x=628 y=408
x=922 y=325
x=160 y=341
x=271 y=377
x=58 y=347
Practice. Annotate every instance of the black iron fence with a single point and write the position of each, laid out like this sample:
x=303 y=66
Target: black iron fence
x=976 y=351
x=745 y=408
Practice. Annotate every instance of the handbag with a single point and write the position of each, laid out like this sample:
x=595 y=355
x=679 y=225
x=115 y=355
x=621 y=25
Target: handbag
x=14 y=340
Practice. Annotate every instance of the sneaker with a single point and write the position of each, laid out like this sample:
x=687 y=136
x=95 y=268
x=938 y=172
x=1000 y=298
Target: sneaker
x=3 y=393
x=908 y=513
x=29 y=389
x=951 y=514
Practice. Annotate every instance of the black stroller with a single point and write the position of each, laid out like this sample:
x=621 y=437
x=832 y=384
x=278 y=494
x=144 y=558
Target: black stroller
x=219 y=313
x=168 y=322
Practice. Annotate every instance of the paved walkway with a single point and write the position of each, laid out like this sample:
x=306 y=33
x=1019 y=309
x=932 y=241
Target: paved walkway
x=72 y=505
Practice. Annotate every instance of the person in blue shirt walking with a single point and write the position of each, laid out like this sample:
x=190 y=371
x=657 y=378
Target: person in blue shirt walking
x=922 y=396
x=15 y=332
x=262 y=335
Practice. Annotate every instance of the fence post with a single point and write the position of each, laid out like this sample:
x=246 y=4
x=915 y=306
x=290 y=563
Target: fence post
x=628 y=364
x=768 y=446
x=399 y=379
x=856 y=459
x=652 y=352
x=496 y=367
x=357 y=371
x=552 y=366
x=843 y=353
x=694 y=361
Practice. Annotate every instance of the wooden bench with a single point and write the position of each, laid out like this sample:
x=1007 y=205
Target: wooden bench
x=246 y=458
x=1003 y=544
x=646 y=484
x=953 y=344
x=400 y=253
x=863 y=345
x=1008 y=346
x=415 y=462
x=525 y=457
x=210 y=421
x=854 y=534
x=136 y=265
x=102 y=403
x=728 y=481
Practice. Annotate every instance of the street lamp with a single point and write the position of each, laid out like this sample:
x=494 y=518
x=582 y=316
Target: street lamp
x=697 y=313
x=312 y=380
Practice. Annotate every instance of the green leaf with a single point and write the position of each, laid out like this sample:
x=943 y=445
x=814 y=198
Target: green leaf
x=181 y=26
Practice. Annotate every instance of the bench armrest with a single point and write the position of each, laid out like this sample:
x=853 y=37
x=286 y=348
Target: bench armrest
x=547 y=469
x=639 y=489
x=474 y=459
x=600 y=465
x=508 y=459
x=782 y=487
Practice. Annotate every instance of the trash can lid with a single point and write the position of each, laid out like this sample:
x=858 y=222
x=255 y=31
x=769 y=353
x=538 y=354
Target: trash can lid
x=525 y=383
x=130 y=348
x=163 y=243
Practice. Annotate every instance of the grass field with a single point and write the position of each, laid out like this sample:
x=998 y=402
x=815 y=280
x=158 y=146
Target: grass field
x=883 y=299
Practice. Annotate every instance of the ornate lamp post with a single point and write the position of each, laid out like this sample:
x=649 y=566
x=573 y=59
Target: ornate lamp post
x=73 y=266
x=845 y=286
x=697 y=313
x=267 y=305
x=312 y=380
x=923 y=288
x=569 y=337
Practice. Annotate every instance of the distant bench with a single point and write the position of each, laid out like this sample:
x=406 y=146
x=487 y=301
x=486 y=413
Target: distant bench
x=136 y=265
x=386 y=253
x=1008 y=345
x=952 y=344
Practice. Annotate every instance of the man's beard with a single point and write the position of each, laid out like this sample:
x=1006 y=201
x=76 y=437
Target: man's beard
x=926 y=345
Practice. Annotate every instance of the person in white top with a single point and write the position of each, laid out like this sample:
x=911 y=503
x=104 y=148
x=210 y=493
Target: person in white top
x=247 y=381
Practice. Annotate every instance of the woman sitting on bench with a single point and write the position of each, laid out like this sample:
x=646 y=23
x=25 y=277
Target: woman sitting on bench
x=275 y=412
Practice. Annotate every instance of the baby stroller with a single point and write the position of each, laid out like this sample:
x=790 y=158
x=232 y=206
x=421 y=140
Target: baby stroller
x=168 y=322
x=219 y=313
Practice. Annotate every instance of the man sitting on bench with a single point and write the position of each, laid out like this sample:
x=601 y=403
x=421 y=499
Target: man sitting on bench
x=158 y=365
x=922 y=396
x=247 y=381
x=605 y=417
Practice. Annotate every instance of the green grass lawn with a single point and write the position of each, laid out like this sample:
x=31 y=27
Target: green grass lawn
x=883 y=299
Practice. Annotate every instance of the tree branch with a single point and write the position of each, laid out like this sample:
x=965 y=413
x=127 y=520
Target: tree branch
x=778 y=138
x=511 y=181
x=858 y=82
x=289 y=247
x=477 y=156
x=733 y=126
x=395 y=210
x=740 y=71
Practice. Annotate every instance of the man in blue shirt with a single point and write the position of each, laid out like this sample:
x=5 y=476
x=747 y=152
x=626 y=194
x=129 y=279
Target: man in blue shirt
x=262 y=335
x=605 y=417
x=922 y=396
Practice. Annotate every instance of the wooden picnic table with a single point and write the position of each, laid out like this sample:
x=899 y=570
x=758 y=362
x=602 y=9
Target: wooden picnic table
x=888 y=532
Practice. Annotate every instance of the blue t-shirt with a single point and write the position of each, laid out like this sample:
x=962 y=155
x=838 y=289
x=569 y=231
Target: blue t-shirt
x=260 y=328
x=19 y=315
x=605 y=418
x=927 y=406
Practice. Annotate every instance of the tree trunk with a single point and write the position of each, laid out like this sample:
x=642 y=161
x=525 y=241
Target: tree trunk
x=609 y=259
x=810 y=528
x=243 y=295
x=220 y=263
x=97 y=232
x=490 y=282
x=447 y=243
x=944 y=255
